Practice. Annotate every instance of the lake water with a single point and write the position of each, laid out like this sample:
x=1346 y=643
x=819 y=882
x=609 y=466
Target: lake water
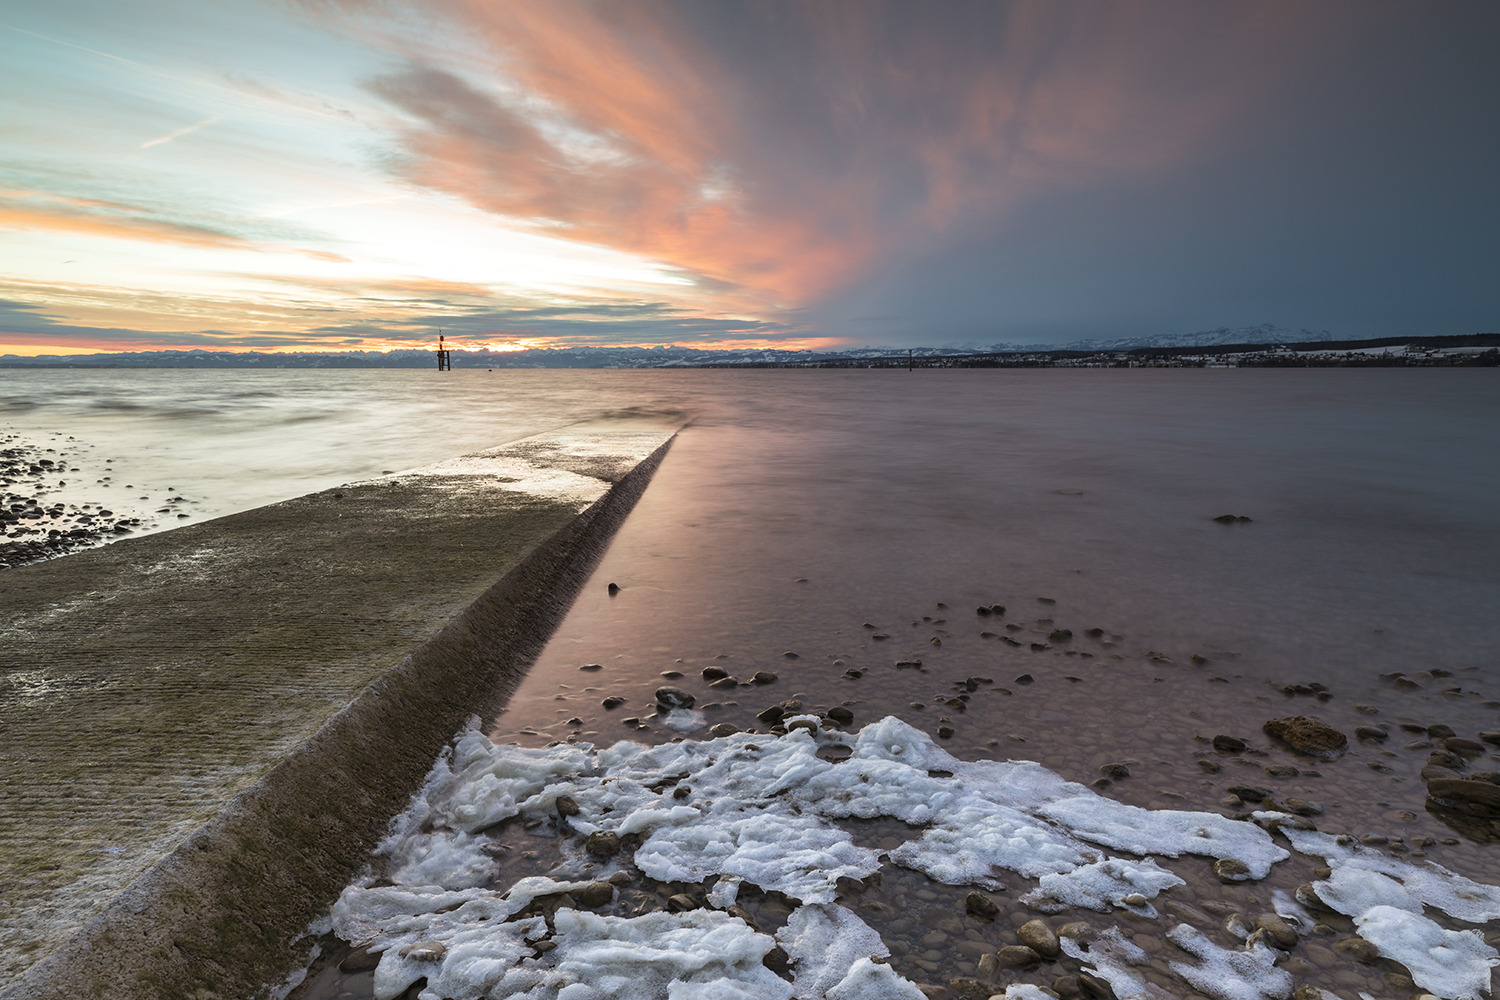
x=804 y=512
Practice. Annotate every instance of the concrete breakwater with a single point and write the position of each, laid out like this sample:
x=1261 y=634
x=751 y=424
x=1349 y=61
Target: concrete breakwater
x=203 y=732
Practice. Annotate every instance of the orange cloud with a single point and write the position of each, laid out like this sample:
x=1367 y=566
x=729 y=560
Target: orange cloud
x=886 y=126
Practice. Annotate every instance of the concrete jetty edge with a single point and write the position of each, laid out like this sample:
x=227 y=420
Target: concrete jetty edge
x=225 y=913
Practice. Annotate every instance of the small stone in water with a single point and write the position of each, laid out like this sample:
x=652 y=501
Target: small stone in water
x=988 y=965
x=722 y=729
x=1037 y=936
x=672 y=697
x=1211 y=766
x=1134 y=899
x=612 y=702
x=980 y=905
x=714 y=673
x=596 y=894
x=1231 y=870
x=841 y=715
x=1066 y=987
x=680 y=902
x=603 y=844
x=1228 y=744
x=763 y=677
x=592 y=666
x=1017 y=955
x=566 y=806
x=424 y=951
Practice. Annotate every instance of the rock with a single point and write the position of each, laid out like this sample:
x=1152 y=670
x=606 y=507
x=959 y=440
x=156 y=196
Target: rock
x=1493 y=739
x=1431 y=771
x=1308 y=735
x=1281 y=933
x=933 y=992
x=1078 y=930
x=1442 y=758
x=980 y=905
x=1237 y=927
x=807 y=724
x=613 y=589
x=1232 y=519
x=1134 y=899
x=619 y=878
x=1358 y=949
x=1060 y=635
x=1465 y=790
x=1370 y=733
x=424 y=951
x=1016 y=956
x=1440 y=731
x=612 y=702
x=1210 y=766
x=603 y=844
x=566 y=806
x=1307 y=895
x=1493 y=777
x=1304 y=807
x=1459 y=745
x=1228 y=744
x=1096 y=987
x=681 y=902
x=965 y=988
x=592 y=666
x=360 y=960
x=722 y=730
x=791 y=655
x=1115 y=771
x=841 y=715
x=772 y=715
x=945 y=732
x=724 y=683
x=989 y=965
x=763 y=677
x=671 y=697
x=908 y=664
x=1282 y=771
x=1231 y=870
x=1251 y=793
x=1036 y=935
x=596 y=894
x=1066 y=987
x=714 y=673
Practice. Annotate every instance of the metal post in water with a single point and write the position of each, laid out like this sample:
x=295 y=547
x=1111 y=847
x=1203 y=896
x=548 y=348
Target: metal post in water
x=444 y=356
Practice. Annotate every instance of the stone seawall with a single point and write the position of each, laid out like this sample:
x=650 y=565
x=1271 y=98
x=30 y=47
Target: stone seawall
x=203 y=732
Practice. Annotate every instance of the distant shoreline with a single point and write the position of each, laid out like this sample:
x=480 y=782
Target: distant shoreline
x=1480 y=350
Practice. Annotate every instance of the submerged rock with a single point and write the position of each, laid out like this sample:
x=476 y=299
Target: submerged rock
x=1036 y=935
x=1308 y=735
x=673 y=697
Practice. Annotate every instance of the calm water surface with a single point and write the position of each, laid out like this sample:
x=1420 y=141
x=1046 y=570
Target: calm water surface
x=805 y=512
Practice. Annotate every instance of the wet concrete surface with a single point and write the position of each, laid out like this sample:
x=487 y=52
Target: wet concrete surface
x=237 y=706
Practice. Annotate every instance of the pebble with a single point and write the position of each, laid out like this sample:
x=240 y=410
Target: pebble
x=1459 y=745
x=681 y=902
x=1370 y=733
x=1228 y=744
x=566 y=806
x=1066 y=987
x=1281 y=933
x=1282 y=771
x=424 y=951
x=603 y=844
x=1308 y=735
x=722 y=730
x=592 y=666
x=1037 y=936
x=673 y=697
x=989 y=965
x=596 y=894
x=1211 y=766
x=1357 y=948
x=1231 y=870
x=841 y=715
x=980 y=905
x=1017 y=955
x=1440 y=732
x=763 y=677
x=1115 y=771
x=714 y=673
x=612 y=702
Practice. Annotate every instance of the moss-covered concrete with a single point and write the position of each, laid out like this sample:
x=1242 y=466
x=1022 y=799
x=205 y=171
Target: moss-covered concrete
x=203 y=732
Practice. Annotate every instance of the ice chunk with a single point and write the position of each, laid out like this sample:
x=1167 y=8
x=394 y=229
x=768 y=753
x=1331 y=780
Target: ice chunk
x=1229 y=975
x=1425 y=884
x=1450 y=964
x=869 y=981
x=1101 y=885
x=802 y=856
x=1112 y=956
x=825 y=942
x=1165 y=831
x=492 y=783
x=969 y=842
x=684 y=720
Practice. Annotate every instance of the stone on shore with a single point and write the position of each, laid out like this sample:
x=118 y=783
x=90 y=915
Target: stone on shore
x=1308 y=735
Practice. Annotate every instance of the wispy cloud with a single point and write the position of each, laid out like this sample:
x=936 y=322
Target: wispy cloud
x=170 y=136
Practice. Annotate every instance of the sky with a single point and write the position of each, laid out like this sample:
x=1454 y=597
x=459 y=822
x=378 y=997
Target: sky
x=337 y=174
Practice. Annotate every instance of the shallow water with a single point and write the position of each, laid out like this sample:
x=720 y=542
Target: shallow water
x=801 y=506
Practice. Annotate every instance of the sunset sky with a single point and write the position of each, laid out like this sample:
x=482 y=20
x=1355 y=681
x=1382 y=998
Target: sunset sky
x=321 y=174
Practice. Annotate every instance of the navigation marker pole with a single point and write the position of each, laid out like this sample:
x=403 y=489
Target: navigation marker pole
x=444 y=356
